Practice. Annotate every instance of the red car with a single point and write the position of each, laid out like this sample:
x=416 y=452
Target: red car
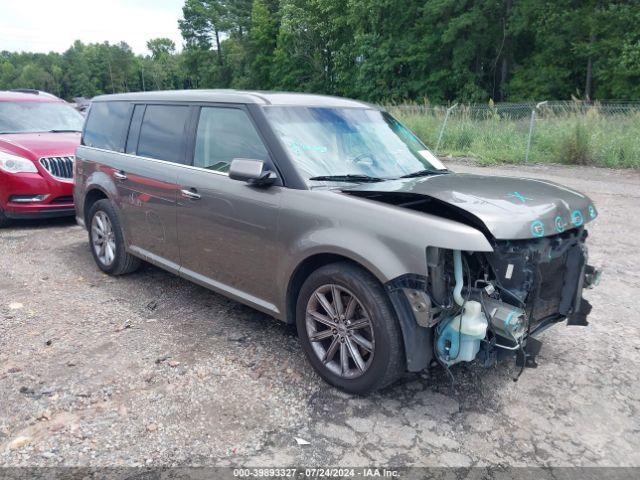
x=39 y=134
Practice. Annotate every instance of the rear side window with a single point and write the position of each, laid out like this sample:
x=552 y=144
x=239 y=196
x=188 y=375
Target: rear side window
x=163 y=133
x=107 y=125
x=224 y=134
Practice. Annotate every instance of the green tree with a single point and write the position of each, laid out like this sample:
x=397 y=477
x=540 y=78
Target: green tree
x=262 y=43
x=205 y=21
x=311 y=35
x=161 y=48
x=162 y=70
x=378 y=50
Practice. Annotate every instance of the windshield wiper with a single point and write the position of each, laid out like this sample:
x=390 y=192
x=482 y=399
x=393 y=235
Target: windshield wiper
x=62 y=130
x=425 y=173
x=347 y=178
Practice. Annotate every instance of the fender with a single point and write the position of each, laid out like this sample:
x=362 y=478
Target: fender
x=388 y=241
x=380 y=260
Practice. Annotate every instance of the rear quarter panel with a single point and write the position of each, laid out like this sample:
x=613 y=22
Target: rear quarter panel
x=94 y=170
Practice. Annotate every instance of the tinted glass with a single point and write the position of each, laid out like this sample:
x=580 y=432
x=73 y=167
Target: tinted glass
x=107 y=125
x=25 y=117
x=162 y=135
x=224 y=134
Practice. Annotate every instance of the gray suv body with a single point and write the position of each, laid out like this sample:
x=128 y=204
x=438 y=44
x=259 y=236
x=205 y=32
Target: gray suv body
x=328 y=213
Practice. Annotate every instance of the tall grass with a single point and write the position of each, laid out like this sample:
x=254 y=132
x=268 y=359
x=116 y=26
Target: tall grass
x=573 y=136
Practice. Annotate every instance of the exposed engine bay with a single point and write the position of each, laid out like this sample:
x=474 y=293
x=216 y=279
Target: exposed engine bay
x=488 y=304
x=491 y=305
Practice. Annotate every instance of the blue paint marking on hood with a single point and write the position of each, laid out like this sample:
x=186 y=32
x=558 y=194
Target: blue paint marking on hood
x=510 y=208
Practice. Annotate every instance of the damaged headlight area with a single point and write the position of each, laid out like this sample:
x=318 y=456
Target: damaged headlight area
x=489 y=305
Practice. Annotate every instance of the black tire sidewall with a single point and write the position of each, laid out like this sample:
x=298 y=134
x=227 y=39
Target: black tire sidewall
x=106 y=207
x=4 y=221
x=388 y=353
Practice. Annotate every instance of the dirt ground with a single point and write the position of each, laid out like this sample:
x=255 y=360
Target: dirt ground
x=149 y=369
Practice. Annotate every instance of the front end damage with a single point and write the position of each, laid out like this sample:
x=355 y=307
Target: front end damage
x=479 y=305
x=487 y=306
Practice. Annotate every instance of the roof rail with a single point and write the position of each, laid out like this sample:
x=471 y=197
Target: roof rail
x=26 y=90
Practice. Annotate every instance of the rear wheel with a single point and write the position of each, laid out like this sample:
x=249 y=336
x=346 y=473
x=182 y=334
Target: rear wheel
x=107 y=240
x=348 y=329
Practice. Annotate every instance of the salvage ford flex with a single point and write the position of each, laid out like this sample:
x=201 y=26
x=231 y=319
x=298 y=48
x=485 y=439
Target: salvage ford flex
x=328 y=213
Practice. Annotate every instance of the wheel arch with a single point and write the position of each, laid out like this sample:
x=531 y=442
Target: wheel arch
x=417 y=341
x=94 y=194
x=305 y=268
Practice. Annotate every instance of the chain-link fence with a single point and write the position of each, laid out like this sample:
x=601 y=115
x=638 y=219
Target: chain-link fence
x=563 y=132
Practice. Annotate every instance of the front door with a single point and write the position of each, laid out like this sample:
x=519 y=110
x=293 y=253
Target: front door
x=227 y=230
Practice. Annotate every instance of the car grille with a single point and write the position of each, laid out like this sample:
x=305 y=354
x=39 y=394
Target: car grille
x=59 y=167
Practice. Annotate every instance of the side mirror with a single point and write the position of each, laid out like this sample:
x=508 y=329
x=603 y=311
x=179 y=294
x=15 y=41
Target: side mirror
x=251 y=171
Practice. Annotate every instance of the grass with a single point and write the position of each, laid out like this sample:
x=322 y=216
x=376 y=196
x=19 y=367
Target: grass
x=570 y=137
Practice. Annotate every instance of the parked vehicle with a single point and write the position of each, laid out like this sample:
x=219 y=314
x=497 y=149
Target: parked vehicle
x=38 y=137
x=328 y=213
x=81 y=104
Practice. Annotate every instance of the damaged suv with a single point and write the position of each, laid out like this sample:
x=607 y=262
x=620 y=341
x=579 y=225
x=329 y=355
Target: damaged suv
x=328 y=213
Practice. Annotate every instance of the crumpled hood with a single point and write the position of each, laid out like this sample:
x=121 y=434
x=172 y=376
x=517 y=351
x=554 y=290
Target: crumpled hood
x=509 y=208
x=37 y=145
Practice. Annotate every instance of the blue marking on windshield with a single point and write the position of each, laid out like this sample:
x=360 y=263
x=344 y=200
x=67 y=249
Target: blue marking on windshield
x=298 y=148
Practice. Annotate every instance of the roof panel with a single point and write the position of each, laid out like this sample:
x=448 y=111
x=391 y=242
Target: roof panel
x=236 y=96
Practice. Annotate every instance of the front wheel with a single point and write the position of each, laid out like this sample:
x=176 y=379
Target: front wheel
x=107 y=240
x=348 y=329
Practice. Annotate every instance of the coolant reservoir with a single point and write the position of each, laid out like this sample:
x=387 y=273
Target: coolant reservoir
x=459 y=338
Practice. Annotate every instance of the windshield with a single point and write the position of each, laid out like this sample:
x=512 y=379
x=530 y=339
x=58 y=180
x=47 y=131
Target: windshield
x=350 y=142
x=28 y=117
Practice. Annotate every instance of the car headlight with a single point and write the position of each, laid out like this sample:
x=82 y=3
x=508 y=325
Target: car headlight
x=14 y=164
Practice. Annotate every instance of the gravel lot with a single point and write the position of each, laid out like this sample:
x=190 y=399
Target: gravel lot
x=149 y=369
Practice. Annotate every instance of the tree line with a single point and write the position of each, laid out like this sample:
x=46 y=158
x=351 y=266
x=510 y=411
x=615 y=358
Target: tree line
x=378 y=50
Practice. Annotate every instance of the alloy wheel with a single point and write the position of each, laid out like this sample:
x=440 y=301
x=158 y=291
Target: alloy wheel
x=340 y=331
x=103 y=238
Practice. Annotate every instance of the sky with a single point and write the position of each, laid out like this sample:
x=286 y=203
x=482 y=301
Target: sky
x=53 y=25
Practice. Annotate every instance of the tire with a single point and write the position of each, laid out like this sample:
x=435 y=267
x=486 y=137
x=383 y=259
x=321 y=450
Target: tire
x=119 y=262
x=384 y=364
x=4 y=221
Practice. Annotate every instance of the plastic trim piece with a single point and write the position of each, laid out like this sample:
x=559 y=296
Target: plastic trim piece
x=418 y=342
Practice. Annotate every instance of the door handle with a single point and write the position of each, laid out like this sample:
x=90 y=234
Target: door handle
x=119 y=175
x=190 y=193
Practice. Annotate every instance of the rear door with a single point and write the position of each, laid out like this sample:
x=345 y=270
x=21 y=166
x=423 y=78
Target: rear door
x=227 y=230
x=157 y=146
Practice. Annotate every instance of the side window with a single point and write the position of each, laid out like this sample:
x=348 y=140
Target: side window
x=106 y=125
x=224 y=134
x=162 y=134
